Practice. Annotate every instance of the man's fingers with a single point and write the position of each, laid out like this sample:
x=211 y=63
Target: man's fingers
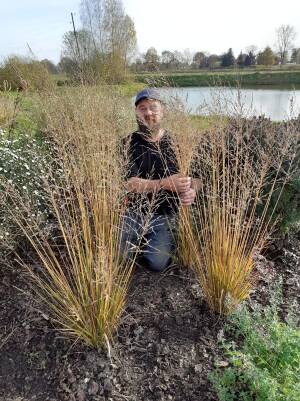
x=189 y=192
x=183 y=188
x=185 y=181
x=188 y=197
x=186 y=203
x=179 y=183
x=185 y=184
x=187 y=200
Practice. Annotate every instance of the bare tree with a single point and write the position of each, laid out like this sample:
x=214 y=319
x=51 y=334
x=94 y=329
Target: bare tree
x=151 y=59
x=285 y=36
x=251 y=49
x=167 y=58
x=71 y=46
x=91 y=15
x=119 y=31
x=112 y=32
x=188 y=57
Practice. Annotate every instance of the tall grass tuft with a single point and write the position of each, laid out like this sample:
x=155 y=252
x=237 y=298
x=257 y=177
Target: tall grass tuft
x=239 y=165
x=83 y=277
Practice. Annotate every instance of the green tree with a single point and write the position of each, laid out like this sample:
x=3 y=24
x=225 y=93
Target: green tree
x=241 y=60
x=250 y=59
x=266 y=57
x=227 y=59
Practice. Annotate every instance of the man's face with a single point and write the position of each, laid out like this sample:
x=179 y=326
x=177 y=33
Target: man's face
x=150 y=113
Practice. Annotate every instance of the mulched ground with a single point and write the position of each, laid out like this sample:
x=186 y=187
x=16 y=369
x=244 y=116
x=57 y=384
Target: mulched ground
x=164 y=349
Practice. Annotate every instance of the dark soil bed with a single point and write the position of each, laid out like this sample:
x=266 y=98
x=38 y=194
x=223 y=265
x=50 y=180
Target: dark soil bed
x=164 y=349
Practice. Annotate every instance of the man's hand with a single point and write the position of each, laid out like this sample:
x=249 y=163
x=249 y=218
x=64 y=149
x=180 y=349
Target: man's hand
x=176 y=183
x=187 y=198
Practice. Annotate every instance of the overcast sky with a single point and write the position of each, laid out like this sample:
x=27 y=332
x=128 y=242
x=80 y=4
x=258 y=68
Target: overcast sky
x=212 y=26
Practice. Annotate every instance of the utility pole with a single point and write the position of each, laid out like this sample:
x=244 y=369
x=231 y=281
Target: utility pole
x=75 y=35
x=78 y=49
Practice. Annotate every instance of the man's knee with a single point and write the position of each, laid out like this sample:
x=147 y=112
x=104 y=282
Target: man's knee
x=156 y=261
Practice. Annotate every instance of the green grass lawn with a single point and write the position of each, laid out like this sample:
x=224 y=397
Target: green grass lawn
x=129 y=88
x=287 y=78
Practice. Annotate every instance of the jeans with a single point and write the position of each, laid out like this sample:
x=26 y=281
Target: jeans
x=151 y=237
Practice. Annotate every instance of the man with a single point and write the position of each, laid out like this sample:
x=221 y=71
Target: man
x=155 y=187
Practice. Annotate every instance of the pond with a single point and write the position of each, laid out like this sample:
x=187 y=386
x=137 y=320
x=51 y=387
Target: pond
x=275 y=103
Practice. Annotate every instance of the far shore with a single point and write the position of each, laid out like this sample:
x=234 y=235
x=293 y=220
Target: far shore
x=242 y=77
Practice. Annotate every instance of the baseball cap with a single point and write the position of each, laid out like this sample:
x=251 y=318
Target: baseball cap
x=148 y=93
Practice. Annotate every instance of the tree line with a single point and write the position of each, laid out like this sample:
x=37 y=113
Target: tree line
x=284 y=52
x=104 y=47
x=185 y=60
x=95 y=44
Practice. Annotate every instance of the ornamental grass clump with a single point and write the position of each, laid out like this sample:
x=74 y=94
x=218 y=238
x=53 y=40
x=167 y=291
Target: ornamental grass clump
x=239 y=170
x=83 y=277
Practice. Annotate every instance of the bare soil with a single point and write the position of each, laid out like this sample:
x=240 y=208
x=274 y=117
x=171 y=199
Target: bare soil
x=164 y=349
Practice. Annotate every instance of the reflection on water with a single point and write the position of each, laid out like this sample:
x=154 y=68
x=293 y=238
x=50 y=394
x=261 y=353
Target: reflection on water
x=277 y=104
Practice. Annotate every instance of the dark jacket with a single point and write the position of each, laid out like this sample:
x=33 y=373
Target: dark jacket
x=151 y=160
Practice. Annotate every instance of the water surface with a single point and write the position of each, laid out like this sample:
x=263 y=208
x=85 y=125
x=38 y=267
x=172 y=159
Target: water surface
x=276 y=103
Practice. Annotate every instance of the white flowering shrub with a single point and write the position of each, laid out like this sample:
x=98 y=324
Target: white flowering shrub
x=23 y=164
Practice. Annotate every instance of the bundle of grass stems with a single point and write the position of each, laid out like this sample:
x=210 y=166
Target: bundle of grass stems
x=83 y=277
x=241 y=168
x=184 y=139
